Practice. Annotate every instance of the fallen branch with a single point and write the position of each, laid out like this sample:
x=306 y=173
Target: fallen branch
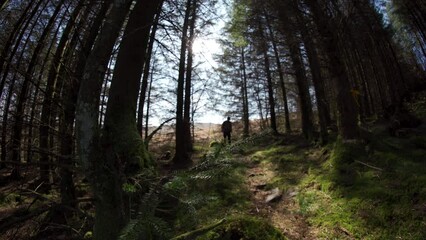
x=25 y=164
x=368 y=165
x=37 y=195
x=21 y=216
x=198 y=232
x=148 y=139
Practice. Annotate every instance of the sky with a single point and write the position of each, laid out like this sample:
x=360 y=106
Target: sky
x=205 y=46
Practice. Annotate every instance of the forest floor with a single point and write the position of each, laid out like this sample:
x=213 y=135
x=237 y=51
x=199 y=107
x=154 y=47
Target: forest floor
x=374 y=188
x=274 y=202
x=339 y=191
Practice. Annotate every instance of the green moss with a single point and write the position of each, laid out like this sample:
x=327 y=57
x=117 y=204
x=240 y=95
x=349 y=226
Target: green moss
x=347 y=199
x=247 y=228
x=226 y=194
x=355 y=193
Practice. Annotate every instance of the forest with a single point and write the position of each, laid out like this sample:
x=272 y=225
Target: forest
x=111 y=114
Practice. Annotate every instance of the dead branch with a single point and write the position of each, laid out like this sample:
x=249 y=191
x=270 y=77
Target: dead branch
x=23 y=164
x=21 y=215
x=365 y=164
x=156 y=130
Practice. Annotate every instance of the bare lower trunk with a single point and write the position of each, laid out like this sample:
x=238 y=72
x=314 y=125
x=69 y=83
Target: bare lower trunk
x=106 y=184
x=182 y=158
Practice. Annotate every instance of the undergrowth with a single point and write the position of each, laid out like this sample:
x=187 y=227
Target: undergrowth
x=212 y=189
x=343 y=190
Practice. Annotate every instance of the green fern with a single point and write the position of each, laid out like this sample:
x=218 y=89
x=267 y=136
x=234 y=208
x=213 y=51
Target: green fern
x=245 y=143
x=146 y=192
x=147 y=228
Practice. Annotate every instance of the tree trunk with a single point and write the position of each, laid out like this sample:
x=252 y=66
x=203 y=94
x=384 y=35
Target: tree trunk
x=257 y=90
x=182 y=158
x=9 y=42
x=317 y=79
x=246 y=120
x=288 y=23
x=123 y=149
x=15 y=175
x=66 y=127
x=280 y=74
x=69 y=105
x=348 y=112
x=270 y=91
x=148 y=103
x=146 y=74
x=37 y=83
x=188 y=81
x=22 y=96
x=109 y=217
x=303 y=87
x=51 y=85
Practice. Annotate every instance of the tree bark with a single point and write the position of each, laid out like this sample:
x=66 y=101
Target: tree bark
x=303 y=87
x=348 y=112
x=182 y=158
x=37 y=87
x=22 y=96
x=109 y=217
x=51 y=88
x=270 y=87
x=288 y=23
x=68 y=100
x=188 y=80
x=148 y=104
x=122 y=152
x=12 y=37
x=146 y=74
x=280 y=74
x=246 y=120
x=317 y=79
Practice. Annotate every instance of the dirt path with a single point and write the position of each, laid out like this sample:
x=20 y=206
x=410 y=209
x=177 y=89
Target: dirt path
x=283 y=212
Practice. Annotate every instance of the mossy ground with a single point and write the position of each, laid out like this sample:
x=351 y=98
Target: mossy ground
x=340 y=191
x=374 y=194
x=376 y=191
x=248 y=228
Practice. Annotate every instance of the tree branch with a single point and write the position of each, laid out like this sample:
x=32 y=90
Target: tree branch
x=148 y=139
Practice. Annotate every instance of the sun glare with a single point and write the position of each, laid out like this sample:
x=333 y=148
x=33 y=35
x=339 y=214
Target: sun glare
x=205 y=48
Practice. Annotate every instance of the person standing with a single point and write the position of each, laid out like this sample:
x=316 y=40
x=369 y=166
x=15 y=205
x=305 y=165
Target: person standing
x=227 y=129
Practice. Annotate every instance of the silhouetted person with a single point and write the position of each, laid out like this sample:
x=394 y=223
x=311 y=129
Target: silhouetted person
x=227 y=129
